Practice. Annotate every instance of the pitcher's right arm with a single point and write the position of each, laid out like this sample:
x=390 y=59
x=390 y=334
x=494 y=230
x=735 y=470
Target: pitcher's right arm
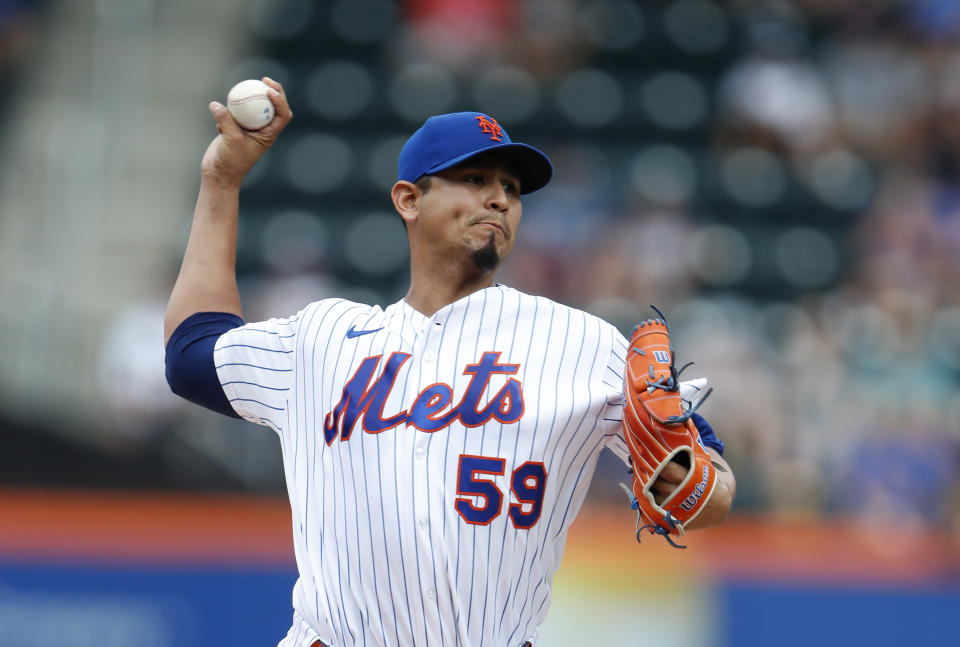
x=207 y=281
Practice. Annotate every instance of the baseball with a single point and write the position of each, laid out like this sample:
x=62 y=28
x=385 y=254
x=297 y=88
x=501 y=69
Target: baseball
x=249 y=104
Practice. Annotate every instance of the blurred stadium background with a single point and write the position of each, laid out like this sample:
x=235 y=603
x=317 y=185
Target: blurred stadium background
x=782 y=178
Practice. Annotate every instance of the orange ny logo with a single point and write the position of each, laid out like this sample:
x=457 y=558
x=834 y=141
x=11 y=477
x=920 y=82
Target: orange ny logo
x=490 y=126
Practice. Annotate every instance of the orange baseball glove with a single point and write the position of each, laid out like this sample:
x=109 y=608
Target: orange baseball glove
x=658 y=430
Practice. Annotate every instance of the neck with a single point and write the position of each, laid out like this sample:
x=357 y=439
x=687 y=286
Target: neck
x=432 y=288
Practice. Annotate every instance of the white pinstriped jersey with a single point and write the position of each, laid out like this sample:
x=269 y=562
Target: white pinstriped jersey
x=434 y=464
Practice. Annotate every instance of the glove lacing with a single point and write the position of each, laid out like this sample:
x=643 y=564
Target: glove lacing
x=671 y=383
x=656 y=529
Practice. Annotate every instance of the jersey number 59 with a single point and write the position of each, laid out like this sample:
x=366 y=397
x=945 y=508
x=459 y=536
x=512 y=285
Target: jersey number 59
x=474 y=480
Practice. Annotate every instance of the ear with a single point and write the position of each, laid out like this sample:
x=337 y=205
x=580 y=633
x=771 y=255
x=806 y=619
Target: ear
x=406 y=200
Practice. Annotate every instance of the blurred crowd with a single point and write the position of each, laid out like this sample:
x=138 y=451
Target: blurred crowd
x=18 y=20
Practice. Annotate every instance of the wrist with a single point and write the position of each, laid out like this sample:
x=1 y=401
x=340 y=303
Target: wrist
x=220 y=182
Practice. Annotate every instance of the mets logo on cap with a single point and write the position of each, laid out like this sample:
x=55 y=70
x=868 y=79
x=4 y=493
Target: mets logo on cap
x=490 y=126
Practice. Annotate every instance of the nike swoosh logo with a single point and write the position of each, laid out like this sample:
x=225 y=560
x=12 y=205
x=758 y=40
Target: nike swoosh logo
x=353 y=332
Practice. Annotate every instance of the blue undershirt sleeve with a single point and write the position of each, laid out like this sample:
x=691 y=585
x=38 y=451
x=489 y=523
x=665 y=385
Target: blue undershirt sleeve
x=191 y=371
x=707 y=435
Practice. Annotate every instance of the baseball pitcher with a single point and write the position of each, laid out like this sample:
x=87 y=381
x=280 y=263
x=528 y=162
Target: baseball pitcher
x=437 y=450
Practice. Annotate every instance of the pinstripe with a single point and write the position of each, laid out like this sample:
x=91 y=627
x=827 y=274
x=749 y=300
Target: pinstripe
x=436 y=587
x=342 y=481
x=269 y=423
x=513 y=337
x=345 y=544
x=304 y=517
x=264 y=349
x=575 y=431
x=542 y=583
x=310 y=446
x=313 y=471
x=446 y=463
x=263 y=404
x=260 y=330
x=260 y=386
x=473 y=531
x=496 y=336
x=556 y=444
x=360 y=567
x=569 y=501
x=292 y=465
x=548 y=343
x=373 y=565
x=413 y=510
x=595 y=450
x=506 y=602
x=261 y=368
x=403 y=567
x=526 y=365
x=565 y=331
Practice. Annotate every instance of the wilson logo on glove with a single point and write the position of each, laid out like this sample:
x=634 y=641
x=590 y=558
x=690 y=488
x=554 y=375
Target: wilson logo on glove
x=658 y=430
x=698 y=491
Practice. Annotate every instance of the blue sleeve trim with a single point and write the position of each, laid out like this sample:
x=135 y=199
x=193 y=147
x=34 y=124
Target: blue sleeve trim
x=191 y=372
x=707 y=435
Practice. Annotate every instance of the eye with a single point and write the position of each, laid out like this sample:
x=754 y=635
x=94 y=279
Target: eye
x=474 y=178
x=511 y=187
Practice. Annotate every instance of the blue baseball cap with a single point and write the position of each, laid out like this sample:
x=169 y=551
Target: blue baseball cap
x=446 y=140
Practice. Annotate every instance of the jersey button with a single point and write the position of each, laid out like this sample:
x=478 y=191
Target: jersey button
x=431 y=593
x=420 y=452
x=423 y=522
x=429 y=356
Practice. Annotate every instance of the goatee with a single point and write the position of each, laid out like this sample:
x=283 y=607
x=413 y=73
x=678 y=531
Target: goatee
x=486 y=258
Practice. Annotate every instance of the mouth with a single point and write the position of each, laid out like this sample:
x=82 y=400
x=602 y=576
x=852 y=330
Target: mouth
x=493 y=226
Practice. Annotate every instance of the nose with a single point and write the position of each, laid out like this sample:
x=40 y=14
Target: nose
x=497 y=198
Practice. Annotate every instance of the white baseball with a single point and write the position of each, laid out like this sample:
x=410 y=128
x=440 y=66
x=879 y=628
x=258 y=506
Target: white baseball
x=249 y=104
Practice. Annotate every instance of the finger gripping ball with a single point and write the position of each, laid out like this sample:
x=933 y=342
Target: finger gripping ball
x=249 y=104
